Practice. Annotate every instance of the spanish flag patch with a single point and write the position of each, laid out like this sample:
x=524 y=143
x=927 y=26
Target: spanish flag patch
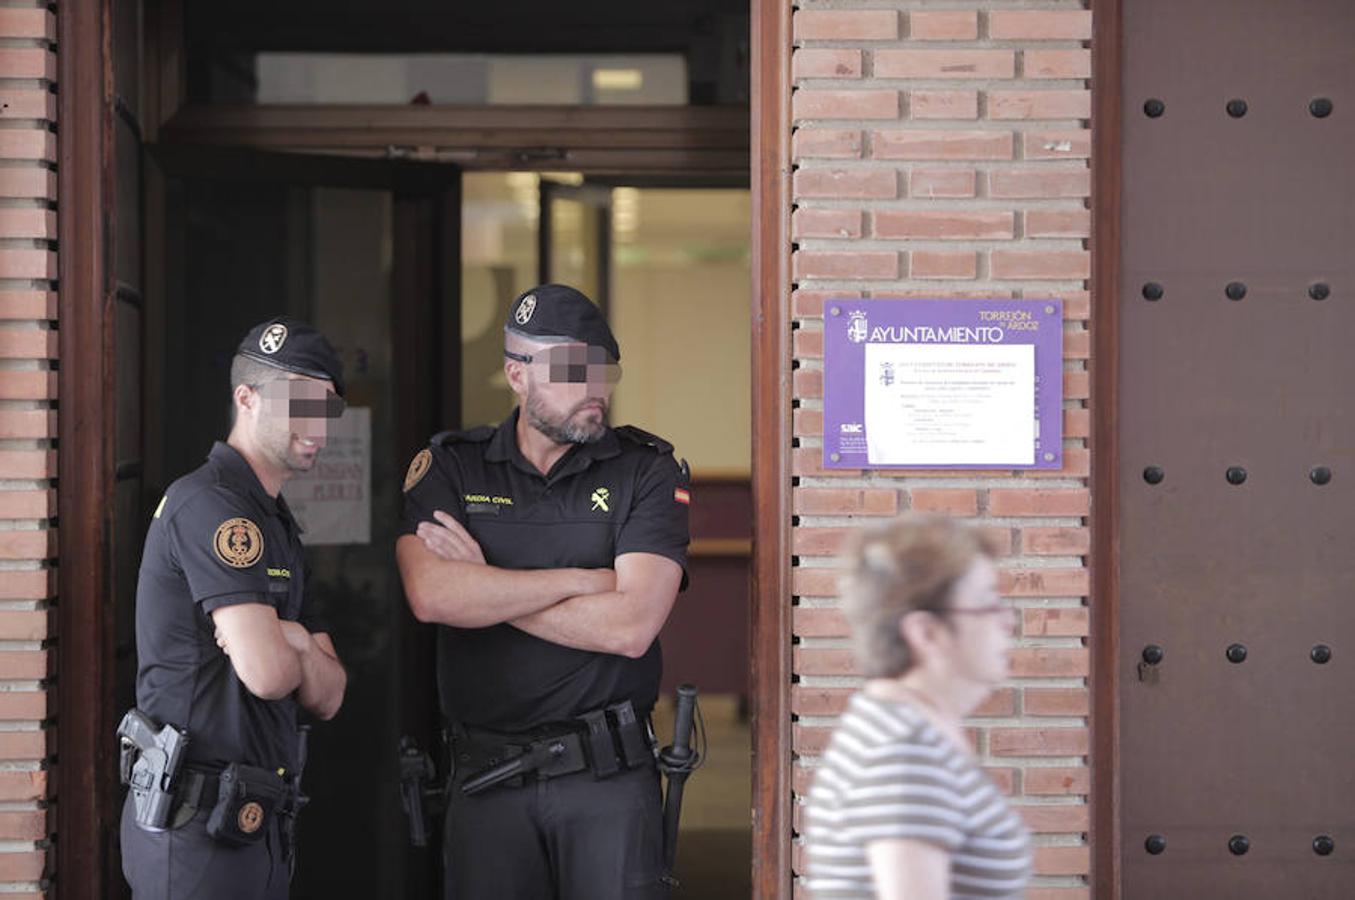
x=683 y=496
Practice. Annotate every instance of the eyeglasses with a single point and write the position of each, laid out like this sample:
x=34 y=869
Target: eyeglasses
x=574 y=364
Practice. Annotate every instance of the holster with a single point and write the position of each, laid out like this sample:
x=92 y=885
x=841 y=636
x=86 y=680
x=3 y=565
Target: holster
x=150 y=757
x=248 y=799
x=604 y=741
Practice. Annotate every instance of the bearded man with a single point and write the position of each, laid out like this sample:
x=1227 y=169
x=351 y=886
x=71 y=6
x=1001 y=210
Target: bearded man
x=549 y=552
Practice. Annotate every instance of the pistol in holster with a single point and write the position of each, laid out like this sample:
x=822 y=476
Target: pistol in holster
x=421 y=797
x=149 y=761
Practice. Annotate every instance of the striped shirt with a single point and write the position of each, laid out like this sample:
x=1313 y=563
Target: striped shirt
x=889 y=773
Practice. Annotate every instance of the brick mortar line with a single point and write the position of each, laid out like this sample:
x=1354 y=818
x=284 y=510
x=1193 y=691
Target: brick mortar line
x=873 y=164
x=995 y=125
x=972 y=721
x=843 y=642
x=27 y=43
x=942 y=5
x=930 y=244
x=854 y=681
x=1021 y=603
x=936 y=284
x=974 y=86
x=1014 y=45
x=923 y=203
x=904 y=83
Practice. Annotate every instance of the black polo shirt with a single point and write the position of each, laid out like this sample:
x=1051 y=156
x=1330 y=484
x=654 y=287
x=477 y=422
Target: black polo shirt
x=623 y=494
x=217 y=539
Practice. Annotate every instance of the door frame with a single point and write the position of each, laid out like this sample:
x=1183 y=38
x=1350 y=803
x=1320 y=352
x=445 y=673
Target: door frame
x=84 y=777
x=770 y=611
x=85 y=784
x=1106 y=165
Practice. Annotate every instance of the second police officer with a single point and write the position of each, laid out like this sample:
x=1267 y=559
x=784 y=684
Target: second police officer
x=550 y=550
x=229 y=649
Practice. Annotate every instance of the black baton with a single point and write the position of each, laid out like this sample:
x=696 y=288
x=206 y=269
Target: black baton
x=677 y=762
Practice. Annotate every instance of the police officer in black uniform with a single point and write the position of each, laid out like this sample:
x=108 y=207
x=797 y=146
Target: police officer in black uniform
x=228 y=649
x=550 y=551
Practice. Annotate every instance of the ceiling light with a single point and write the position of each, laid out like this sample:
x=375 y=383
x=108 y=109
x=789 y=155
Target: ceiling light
x=618 y=79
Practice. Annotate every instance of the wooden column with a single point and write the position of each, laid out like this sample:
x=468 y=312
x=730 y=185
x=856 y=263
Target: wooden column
x=770 y=609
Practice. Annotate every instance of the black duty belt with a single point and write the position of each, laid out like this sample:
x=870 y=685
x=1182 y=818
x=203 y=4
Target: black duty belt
x=200 y=788
x=604 y=741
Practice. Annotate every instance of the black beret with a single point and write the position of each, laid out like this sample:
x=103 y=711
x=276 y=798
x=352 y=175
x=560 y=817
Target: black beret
x=293 y=346
x=558 y=310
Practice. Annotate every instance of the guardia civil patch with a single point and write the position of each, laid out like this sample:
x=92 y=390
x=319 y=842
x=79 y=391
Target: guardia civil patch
x=273 y=337
x=238 y=543
x=418 y=467
x=250 y=818
x=525 y=309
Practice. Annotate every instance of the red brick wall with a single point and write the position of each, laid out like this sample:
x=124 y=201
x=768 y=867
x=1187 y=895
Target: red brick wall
x=27 y=432
x=944 y=153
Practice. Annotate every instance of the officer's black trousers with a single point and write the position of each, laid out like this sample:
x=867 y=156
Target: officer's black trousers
x=186 y=862
x=570 y=838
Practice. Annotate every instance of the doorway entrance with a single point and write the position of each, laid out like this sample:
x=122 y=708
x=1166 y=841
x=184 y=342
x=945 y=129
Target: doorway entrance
x=181 y=75
x=353 y=218
x=345 y=244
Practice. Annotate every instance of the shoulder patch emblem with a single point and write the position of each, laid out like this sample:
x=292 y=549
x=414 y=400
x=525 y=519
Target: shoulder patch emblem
x=238 y=543
x=273 y=337
x=418 y=467
x=683 y=496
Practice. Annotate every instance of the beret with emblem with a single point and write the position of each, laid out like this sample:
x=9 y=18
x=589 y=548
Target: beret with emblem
x=293 y=346
x=560 y=311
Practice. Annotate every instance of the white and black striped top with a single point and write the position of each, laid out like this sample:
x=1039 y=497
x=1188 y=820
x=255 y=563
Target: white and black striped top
x=889 y=773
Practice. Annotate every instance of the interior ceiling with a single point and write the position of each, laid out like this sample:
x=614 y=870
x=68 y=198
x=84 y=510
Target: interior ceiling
x=447 y=26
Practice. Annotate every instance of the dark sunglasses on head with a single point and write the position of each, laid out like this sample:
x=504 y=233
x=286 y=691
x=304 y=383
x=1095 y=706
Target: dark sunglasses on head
x=574 y=364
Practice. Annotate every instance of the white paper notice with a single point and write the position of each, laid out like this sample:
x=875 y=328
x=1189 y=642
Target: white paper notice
x=947 y=404
x=333 y=501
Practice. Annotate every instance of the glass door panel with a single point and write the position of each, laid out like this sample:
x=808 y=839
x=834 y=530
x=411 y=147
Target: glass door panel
x=260 y=243
x=576 y=238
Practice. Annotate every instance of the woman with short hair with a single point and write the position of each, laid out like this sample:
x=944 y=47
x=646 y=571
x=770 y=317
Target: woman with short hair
x=900 y=807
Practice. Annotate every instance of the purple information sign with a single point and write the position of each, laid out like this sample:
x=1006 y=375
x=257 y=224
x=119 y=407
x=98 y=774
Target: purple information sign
x=949 y=384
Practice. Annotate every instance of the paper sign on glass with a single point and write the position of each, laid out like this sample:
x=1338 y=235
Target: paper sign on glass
x=943 y=383
x=333 y=501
